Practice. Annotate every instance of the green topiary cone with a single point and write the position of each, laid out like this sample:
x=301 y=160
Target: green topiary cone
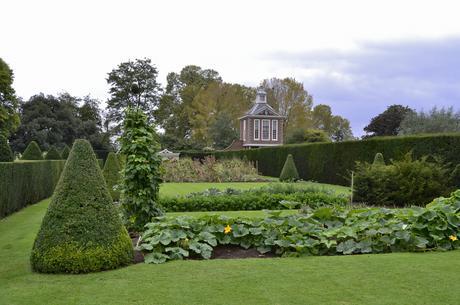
x=65 y=152
x=32 y=152
x=81 y=231
x=53 y=154
x=112 y=175
x=6 y=155
x=289 y=171
x=378 y=160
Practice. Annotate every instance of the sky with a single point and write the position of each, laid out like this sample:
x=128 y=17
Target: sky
x=359 y=57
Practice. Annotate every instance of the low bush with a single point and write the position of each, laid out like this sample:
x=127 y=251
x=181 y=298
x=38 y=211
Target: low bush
x=6 y=155
x=112 y=175
x=324 y=231
x=81 y=230
x=289 y=171
x=264 y=198
x=403 y=182
x=53 y=154
x=32 y=152
x=209 y=170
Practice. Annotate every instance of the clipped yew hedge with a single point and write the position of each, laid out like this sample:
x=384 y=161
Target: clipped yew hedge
x=27 y=182
x=330 y=162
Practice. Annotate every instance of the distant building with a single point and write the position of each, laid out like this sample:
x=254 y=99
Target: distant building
x=260 y=126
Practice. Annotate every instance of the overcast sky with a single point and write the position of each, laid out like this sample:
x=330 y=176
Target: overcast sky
x=357 y=56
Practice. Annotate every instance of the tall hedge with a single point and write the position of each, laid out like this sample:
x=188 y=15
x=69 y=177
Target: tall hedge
x=32 y=152
x=53 y=154
x=112 y=175
x=25 y=183
x=6 y=155
x=330 y=162
x=81 y=231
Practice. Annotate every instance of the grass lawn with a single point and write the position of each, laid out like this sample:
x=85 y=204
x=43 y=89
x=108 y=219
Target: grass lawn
x=400 y=278
x=178 y=189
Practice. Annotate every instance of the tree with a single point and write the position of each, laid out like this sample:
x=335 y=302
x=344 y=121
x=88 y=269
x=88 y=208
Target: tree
x=289 y=171
x=32 y=152
x=53 y=154
x=435 y=121
x=388 y=122
x=223 y=131
x=290 y=99
x=307 y=136
x=6 y=155
x=9 y=117
x=112 y=175
x=141 y=173
x=81 y=231
x=337 y=127
x=132 y=84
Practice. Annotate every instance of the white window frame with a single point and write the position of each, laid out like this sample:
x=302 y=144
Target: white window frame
x=274 y=132
x=262 y=130
x=244 y=130
x=256 y=125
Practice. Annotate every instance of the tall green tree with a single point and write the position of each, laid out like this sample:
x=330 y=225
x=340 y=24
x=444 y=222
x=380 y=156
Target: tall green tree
x=388 y=122
x=223 y=131
x=132 y=84
x=337 y=127
x=437 y=120
x=9 y=117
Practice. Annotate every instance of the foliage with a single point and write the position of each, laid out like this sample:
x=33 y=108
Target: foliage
x=331 y=162
x=337 y=127
x=264 y=198
x=65 y=152
x=141 y=173
x=58 y=121
x=307 y=136
x=378 y=160
x=223 y=131
x=289 y=171
x=81 y=231
x=32 y=152
x=9 y=117
x=53 y=154
x=402 y=182
x=24 y=183
x=324 y=231
x=132 y=84
x=435 y=121
x=6 y=155
x=112 y=175
x=388 y=122
x=209 y=170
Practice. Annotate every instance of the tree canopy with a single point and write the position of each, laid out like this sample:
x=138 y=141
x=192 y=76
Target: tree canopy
x=434 y=121
x=9 y=117
x=388 y=122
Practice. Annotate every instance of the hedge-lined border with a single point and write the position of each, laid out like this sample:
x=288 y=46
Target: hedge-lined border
x=331 y=162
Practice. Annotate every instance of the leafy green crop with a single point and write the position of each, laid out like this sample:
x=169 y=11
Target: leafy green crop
x=324 y=231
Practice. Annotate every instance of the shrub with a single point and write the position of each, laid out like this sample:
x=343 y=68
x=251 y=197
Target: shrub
x=32 y=152
x=307 y=136
x=289 y=171
x=403 y=182
x=6 y=155
x=81 y=231
x=324 y=231
x=25 y=183
x=112 y=175
x=53 y=154
x=378 y=160
x=141 y=174
x=65 y=152
x=331 y=162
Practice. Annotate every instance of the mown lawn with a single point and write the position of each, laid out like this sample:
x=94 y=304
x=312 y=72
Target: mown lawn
x=400 y=278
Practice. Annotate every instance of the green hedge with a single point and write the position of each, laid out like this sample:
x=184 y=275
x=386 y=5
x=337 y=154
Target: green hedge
x=330 y=162
x=27 y=182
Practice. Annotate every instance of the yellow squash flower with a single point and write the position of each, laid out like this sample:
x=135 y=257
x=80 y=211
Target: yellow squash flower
x=453 y=238
x=227 y=229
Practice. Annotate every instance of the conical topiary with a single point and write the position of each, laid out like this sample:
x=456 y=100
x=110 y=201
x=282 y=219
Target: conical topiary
x=289 y=171
x=112 y=175
x=65 y=152
x=378 y=160
x=121 y=160
x=6 y=155
x=82 y=230
x=53 y=154
x=32 y=152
